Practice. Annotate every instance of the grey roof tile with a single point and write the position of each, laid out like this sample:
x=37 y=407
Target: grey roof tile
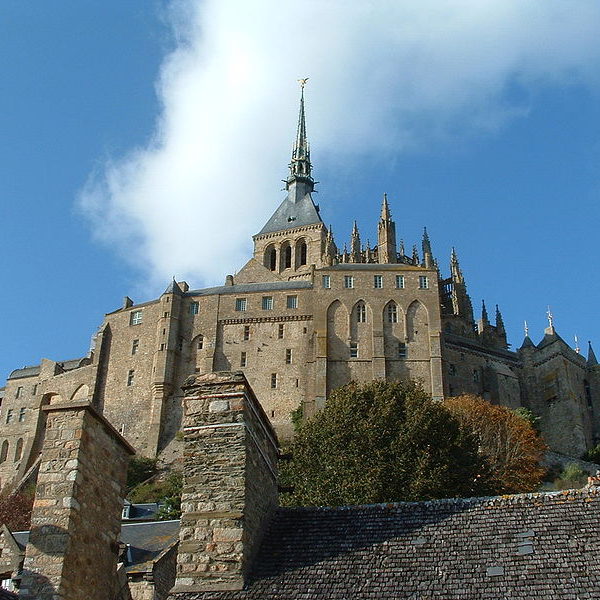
x=292 y=214
x=247 y=288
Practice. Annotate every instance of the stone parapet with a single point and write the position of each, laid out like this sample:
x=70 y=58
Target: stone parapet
x=230 y=481
x=75 y=524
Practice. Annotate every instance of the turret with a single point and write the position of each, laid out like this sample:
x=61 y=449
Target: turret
x=426 y=247
x=386 y=235
x=461 y=303
x=355 y=253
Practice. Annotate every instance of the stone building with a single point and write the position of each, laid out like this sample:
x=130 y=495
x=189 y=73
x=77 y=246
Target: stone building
x=301 y=318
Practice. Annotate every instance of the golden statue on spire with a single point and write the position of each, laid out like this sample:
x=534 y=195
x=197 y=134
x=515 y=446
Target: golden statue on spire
x=302 y=82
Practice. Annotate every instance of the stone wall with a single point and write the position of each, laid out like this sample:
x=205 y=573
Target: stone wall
x=72 y=549
x=230 y=481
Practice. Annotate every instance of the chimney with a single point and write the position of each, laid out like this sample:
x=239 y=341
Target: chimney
x=76 y=520
x=229 y=482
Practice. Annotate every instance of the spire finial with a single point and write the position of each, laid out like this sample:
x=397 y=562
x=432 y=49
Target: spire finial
x=526 y=329
x=577 y=348
x=550 y=317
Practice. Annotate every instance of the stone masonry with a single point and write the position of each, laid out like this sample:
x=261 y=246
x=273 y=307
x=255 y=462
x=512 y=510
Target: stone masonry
x=72 y=549
x=230 y=484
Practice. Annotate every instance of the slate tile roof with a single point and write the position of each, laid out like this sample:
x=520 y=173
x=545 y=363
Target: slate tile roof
x=543 y=545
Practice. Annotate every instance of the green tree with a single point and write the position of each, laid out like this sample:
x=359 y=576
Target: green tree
x=593 y=455
x=381 y=442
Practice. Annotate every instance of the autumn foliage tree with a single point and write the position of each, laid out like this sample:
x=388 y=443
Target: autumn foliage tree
x=381 y=442
x=15 y=511
x=508 y=443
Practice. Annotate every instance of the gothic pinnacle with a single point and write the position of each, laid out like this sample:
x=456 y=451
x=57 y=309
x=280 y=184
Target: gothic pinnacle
x=386 y=215
x=300 y=167
x=484 y=313
x=499 y=320
x=591 y=360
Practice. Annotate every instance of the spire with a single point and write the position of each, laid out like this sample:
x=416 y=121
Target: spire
x=386 y=235
x=499 y=320
x=591 y=359
x=426 y=246
x=355 y=254
x=455 y=271
x=484 y=314
x=550 y=329
x=401 y=249
x=300 y=176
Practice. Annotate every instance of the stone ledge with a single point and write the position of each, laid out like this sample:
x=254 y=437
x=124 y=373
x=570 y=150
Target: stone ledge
x=208 y=587
x=84 y=404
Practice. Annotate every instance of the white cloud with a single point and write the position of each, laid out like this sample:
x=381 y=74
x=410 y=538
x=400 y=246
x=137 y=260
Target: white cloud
x=385 y=76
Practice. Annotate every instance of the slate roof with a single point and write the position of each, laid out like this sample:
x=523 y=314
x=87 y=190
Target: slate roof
x=543 y=546
x=247 y=288
x=31 y=371
x=290 y=215
x=34 y=370
x=146 y=541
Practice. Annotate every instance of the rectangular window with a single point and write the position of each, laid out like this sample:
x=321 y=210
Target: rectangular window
x=348 y=281
x=200 y=342
x=401 y=350
x=475 y=375
x=166 y=315
x=280 y=331
x=240 y=304
x=194 y=308
x=423 y=282
x=246 y=332
x=130 y=376
x=326 y=281
x=9 y=415
x=353 y=350
x=273 y=381
x=267 y=303
x=22 y=414
x=34 y=390
x=288 y=356
x=243 y=359
x=162 y=347
x=292 y=301
x=451 y=369
x=400 y=282
x=135 y=317
x=378 y=281
x=19 y=392
x=135 y=346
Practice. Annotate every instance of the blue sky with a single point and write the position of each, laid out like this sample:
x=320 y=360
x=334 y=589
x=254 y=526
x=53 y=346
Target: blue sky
x=135 y=134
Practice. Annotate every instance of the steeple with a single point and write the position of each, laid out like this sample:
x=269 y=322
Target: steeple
x=484 y=314
x=499 y=320
x=300 y=181
x=591 y=359
x=355 y=253
x=426 y=246
x=386 y=235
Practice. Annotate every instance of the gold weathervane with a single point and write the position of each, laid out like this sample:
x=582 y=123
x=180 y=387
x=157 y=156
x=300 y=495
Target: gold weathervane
x=302 y=82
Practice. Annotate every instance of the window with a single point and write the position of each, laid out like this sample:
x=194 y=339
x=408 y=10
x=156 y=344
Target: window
x=292 y=301
x=200 y=342
x=400 y=282
x=348 y=281
x=401 y=350
x=166 y=315
x=353 y=350
x=162 y=347
x=246 y=332
x=287 y=257
x=135 y=346
x=19 y=449
x=180 y=344
x=34 y=389
x=130 y=376
x=267 y=303
x=19 y=392
x=475 y=375
x=135 y=317
x=301 y=249
x=4 y=451
x=240 y=304
x=378 y=281
x=280 y=331
x=22 y=414
x=451 y=369
x=9 y=415
x=194 y=308
x=392 y=313
x=243 y=359
x=288 y=356
x=423 y=282
x=272 y=259
x=273 y=381
x=326 y=281
x=361 y=313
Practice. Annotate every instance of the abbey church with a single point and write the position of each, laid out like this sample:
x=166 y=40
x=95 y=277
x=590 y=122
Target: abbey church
x=301 y=318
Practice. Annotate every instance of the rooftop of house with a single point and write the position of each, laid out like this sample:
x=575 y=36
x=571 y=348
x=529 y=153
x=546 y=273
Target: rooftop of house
x=541 y=545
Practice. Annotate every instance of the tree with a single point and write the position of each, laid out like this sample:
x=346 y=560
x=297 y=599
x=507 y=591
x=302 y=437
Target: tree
x=15 y=511
x=508 y=442
x=381 y=442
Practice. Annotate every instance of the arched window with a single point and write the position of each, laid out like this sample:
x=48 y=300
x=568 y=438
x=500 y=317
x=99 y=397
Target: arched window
x=392 y=313
x=287 y=257
x=4 y=451
x=271 y=258
x=200 y=340
x=301 y=252
x=361 y=313
x=19 y=449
